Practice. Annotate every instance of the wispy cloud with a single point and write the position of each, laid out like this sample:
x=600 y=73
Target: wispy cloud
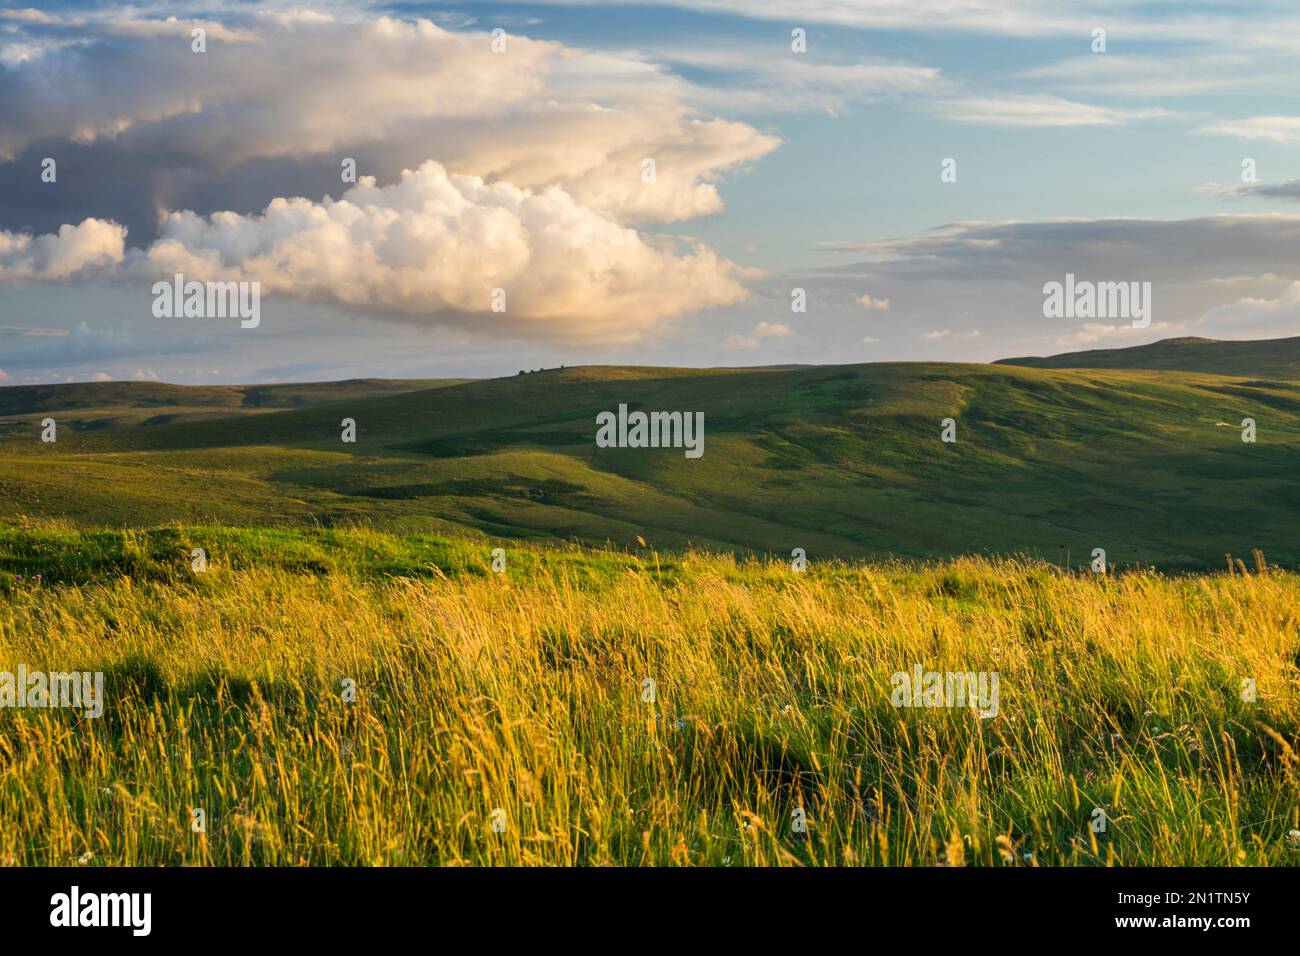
x=1172 y=74
x=1275 y=129
x=1039 y=110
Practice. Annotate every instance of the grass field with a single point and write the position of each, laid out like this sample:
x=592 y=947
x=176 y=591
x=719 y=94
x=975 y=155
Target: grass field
x=842 y=461
x=649 y=680
x=505 y=718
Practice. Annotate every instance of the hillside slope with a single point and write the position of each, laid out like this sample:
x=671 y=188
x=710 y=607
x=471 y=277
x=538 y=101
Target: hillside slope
x=97 y=405
x=1263 y=358
x=840 y=460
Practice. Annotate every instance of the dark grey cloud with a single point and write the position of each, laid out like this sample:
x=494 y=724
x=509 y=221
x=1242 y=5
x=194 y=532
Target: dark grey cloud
x=1289 y=191
x=140 y=124
x=90 y=344
x=1212 y=275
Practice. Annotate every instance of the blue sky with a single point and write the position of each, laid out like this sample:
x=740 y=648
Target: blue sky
x=776 y=170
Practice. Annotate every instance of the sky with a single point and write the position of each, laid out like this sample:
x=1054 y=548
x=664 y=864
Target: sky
x=712 y=183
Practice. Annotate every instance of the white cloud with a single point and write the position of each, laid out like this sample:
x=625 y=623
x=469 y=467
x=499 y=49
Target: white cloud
x=756 y=337
x=1117 y=74
x=94 y=244
x=29 y=15
x=1257 y=317
x=1099 y=331
x=295 y=86
x=432 y=247
x=1276 y=129
x=750 y=79
x=102 y=377
x=4 y=376
x=949 y=333
x=1038 y=110
x=872 y=303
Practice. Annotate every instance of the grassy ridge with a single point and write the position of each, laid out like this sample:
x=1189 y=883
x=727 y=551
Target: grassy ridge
x=97 y=406
x=1257 y=358
x=843 y=461
x=523 y=692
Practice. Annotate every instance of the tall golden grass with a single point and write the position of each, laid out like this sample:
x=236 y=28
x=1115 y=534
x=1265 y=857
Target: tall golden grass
x=520 y=700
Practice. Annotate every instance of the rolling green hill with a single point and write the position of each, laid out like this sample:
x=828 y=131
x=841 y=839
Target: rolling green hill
x=97 y=405
x=1265 y=358
x=838 y=460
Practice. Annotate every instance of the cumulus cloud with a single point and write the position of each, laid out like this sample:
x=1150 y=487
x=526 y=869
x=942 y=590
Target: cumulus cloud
x=278 y=101
x=521 y=170
x=872 y=304
x=4 y=376
x=431 y=248
x=93 y=244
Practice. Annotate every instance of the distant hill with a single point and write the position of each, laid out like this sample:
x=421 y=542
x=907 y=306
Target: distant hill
x=838 y=460
x=29 y=399
x=94 y=405
x=1261 y=358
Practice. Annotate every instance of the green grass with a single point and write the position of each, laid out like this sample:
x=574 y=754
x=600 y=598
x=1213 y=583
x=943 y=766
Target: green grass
x=522 y=695
x=842 y=461
x=1255 y=358
x=519 y=696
